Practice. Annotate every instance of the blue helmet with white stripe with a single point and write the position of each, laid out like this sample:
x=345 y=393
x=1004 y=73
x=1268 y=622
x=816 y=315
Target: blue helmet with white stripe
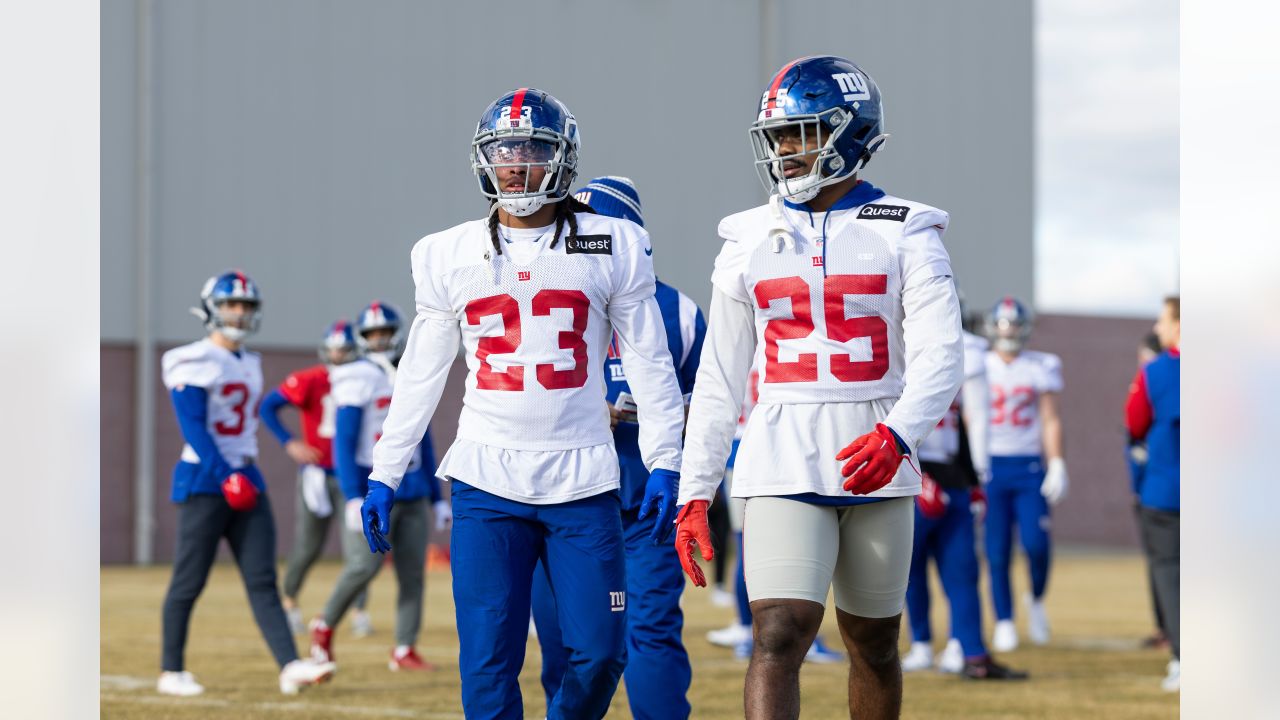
x=835 y=109
x=378 y=315
x=1009 y=324
x=614 y=196
x=219 y=290
x=521 y=130
x=339 y=344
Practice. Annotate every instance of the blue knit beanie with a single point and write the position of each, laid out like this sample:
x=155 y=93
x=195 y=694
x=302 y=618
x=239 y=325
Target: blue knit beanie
x=613 y=196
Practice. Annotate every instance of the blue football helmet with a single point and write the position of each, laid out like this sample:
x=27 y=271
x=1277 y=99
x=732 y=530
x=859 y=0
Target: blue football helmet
x=377 y=316
x=833 y=106
x=339 y=344
x=218 y=291
x=525 y=129
x=1009 y=324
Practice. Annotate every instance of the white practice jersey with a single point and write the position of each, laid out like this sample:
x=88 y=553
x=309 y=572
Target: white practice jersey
x=366 y=384
x=863 y=330
x=535 y=324
x=234 y=385
x=943 y=444
x=1016 y=388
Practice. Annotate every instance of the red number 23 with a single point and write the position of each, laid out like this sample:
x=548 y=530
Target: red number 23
x=508 y=309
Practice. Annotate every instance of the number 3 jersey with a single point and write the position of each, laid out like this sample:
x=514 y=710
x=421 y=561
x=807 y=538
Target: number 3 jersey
x=234 y=385
x=854 y=320
x=535 y=324
x=1015 y=400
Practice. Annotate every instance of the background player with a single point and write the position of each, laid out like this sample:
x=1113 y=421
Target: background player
x=362 y=394
x=318 y=491
x=532 y=292
x=954 y=463
x=215 y=385
x=1028 y=474
x=850 y=296
x=658 y=671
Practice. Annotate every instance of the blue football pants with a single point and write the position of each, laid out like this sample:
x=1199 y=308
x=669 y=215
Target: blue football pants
x=658 y=671
x=1014 y=499
x=495 y=546
x=949 y=540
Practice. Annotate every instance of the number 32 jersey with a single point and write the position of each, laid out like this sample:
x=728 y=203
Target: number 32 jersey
x=1015 y=400
x=535 y=324
x=234 y=385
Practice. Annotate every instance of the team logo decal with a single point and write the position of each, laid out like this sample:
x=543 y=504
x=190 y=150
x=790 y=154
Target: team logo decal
x=505 y=122
x=617 y=600
x=884 y=212
x=589 y=244
x=854 y=87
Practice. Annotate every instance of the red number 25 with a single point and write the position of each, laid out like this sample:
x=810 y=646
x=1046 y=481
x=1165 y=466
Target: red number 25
x=839 y=328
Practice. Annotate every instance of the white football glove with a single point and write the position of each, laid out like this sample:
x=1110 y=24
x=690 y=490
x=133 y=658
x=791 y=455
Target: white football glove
x=1054 y=487
x=352 y=513
x=444 y=515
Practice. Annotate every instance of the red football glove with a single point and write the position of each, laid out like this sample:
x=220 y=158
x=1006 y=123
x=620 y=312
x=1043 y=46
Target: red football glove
x=692 y=527
x=240 y=492
x=873 y=461
x=978 y=502
x=932 y=500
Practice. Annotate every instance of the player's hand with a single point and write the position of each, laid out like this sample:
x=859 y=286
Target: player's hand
x=444 y=515
x=932 y=500
x=301 y=453
x=614 y=416
x=873 y=461
x=352 y=514
x=692 y=527
x=978 y=502
x=1054 y=487
x=660 y=497
x=240 y=492
x=376 y=513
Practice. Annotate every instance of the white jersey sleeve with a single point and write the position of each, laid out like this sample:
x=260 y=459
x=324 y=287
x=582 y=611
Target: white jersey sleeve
x=718 y=393
x=642 y=335
x=192 y=365
x=1050 y=372
x=365 y=385
x=976 y=403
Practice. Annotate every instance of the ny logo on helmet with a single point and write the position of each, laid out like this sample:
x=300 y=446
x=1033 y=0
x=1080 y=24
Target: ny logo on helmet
x=505 y=121
x=853 y=85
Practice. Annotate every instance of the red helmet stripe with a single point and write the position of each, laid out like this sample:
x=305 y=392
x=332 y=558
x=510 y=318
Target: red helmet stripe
x=777 y=83
x=517 y=104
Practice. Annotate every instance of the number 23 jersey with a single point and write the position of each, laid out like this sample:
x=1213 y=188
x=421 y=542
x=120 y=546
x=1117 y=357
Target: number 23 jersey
x=1016 y=388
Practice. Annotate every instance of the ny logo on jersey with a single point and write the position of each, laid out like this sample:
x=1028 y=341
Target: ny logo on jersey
x=817 y=261
x=617 y=600
x=854 y=87
x=523 y=275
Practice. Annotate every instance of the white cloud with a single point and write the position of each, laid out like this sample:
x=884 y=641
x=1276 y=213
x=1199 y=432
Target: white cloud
x=1107 y=155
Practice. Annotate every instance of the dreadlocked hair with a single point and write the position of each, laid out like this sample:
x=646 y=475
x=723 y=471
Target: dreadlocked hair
x=493 y=226
x=565 y=210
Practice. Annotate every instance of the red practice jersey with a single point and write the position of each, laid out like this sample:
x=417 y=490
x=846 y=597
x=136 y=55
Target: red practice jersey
x=308 y=390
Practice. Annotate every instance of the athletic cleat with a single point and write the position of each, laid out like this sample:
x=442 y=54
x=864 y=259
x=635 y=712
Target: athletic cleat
x=952 y=658
x=302 y=673
x=1037 y=621
x=182 y=684
x=742 y=651
x=321 y=641
x=821 y=654
x=1005 y=637
x=1173 y=681
x=987 y=669
x=296 y=625
x=919 y=657
x=731 y=636
x=361 y=624
x=406 y=658
x=720 y=598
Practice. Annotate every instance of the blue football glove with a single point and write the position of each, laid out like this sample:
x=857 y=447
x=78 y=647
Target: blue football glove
x=660 y=497
x=376 y=514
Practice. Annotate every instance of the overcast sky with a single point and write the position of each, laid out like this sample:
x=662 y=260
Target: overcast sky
x=1107 y=155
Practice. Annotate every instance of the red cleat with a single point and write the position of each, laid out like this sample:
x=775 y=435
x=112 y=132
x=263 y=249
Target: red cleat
x=408 y=659
x=321 y=641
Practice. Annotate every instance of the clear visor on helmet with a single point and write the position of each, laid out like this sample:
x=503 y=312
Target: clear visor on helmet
x=520 y=165
x=380 y=339
x=236 y=313
x=796 y=154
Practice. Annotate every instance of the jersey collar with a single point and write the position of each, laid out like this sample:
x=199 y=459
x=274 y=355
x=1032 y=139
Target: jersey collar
x=860 y=194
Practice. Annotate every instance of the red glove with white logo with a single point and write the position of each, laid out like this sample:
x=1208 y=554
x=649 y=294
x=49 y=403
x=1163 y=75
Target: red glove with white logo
x=873 y=461
x=932 y=500
x=978 y=502
x=240 y=492
x=692 y=527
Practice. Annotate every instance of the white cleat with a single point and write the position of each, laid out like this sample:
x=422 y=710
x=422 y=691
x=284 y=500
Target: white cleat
x=1037 y=621
x=720 y=598
x=1005 y=638
x=952 y=658
x=919 y=657
x=296 y=625
x=302 y=673
x=731 y=636
x=182 y=684
x=361 y=624
x=1173 y=681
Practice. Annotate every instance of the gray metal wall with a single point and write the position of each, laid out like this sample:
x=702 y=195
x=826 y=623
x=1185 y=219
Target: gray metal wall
x=311 y=143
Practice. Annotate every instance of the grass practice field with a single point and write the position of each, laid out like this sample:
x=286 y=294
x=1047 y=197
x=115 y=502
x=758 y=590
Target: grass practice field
x=1094 y=668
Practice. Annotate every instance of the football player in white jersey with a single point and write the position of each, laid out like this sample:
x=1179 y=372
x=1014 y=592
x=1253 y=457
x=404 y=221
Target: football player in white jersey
x=1028 y=474
x=361 y=390
x=844 y=297
x=533 y=292
x=215 y=385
